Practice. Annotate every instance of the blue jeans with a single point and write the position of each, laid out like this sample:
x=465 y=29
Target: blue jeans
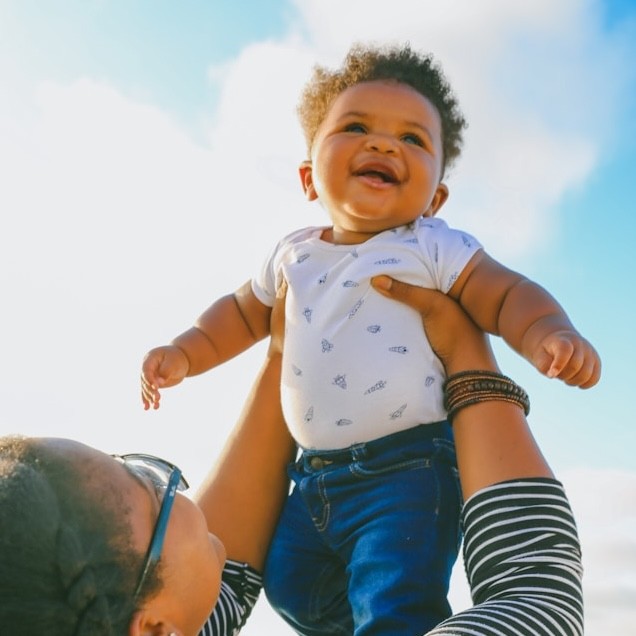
x=368 y=537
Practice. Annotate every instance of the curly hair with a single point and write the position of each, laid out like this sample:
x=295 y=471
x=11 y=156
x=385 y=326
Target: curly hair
x=367 y=63
x=68 y=564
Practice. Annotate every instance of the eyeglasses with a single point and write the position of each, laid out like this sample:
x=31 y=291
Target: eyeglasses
x=168 y=477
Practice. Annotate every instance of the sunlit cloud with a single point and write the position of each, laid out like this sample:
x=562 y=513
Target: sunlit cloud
x=603 y=503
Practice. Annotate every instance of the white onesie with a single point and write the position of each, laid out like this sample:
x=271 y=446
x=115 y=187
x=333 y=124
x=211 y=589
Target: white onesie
x=356 y=365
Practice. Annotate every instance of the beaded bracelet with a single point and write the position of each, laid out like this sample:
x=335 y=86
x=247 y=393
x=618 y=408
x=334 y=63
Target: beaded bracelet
x=471 y=387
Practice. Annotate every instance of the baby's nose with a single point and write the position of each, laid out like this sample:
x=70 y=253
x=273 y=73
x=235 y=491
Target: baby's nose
x=382 y=143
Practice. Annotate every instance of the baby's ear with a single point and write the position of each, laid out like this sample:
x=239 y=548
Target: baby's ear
x=439 y=198
x=306 y=178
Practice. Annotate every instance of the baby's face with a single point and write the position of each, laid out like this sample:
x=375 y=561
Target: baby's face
x=376 y=161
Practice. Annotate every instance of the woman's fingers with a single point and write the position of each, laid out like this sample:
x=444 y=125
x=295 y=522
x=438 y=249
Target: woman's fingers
x=277 y=321
x=453 y=336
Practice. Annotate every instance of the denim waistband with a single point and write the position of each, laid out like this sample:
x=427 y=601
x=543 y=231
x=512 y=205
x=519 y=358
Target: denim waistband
x=362 y=450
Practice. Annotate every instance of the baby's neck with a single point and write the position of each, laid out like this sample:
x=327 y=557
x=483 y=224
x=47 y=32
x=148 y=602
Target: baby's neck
x=338 y=236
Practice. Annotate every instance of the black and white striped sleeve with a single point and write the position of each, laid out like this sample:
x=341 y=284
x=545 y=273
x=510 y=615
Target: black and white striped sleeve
x=523 y=562
x=240 y=587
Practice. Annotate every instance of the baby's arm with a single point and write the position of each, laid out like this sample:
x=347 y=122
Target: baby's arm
x=528 y=318
x=228 y=327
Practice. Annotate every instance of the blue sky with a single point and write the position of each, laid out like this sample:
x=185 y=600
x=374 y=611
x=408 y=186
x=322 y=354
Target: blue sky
x=140 y=139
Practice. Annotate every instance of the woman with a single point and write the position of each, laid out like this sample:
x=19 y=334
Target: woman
x=78 y=526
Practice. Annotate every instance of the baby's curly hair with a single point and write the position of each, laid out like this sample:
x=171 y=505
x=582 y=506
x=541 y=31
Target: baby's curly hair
x=367 y=63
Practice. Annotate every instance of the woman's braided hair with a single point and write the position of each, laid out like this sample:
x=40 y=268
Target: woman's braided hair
x=67 y=565
x=367 y=63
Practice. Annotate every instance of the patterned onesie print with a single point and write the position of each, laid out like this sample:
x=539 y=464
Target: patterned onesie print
x=357 y=366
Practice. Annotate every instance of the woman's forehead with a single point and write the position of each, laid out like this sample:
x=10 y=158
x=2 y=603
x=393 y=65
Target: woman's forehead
x=110 y=482
x=97 y=470
x=64 y=446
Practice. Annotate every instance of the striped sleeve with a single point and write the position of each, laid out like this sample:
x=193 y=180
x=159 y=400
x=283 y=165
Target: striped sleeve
x=523 y=562
x=240 y=587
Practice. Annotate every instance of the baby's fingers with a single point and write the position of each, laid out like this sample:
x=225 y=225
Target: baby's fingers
x=554 y=356
x=150 y=395
x=584 y=371
x=574 y=362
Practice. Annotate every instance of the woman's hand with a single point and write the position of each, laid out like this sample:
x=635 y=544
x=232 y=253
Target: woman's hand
x=277 y=322
x=453 y=336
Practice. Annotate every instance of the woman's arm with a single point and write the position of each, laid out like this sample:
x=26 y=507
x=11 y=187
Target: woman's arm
x=242 y=497
x=243 y=494
x=521 y=548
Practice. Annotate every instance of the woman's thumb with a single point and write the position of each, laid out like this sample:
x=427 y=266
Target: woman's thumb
x=417 y=297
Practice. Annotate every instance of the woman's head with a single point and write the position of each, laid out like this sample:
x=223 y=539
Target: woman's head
x=75 y=525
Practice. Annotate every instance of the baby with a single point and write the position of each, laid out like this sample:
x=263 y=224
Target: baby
x=376 y=485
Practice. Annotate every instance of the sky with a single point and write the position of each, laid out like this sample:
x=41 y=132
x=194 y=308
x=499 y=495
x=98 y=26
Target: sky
x=148 y=163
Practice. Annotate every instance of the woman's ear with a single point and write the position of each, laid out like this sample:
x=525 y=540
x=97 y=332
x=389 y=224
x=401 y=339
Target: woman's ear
x=439 y=198
x=145 y=623
x=306 y=178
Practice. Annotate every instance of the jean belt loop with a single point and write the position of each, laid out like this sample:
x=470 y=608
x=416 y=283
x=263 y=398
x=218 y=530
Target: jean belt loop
x=359 y=451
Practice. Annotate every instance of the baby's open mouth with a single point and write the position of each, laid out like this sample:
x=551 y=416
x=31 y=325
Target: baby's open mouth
x=385 y=176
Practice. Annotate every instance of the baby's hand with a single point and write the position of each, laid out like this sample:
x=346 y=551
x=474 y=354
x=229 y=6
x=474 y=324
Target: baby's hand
x=568 y=356
x=162 y=367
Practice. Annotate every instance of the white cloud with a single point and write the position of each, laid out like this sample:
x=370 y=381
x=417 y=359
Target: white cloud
x=603 y=504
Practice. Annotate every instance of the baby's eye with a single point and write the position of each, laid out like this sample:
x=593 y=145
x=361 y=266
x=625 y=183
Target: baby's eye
x=355 y=128
x=411 y=138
